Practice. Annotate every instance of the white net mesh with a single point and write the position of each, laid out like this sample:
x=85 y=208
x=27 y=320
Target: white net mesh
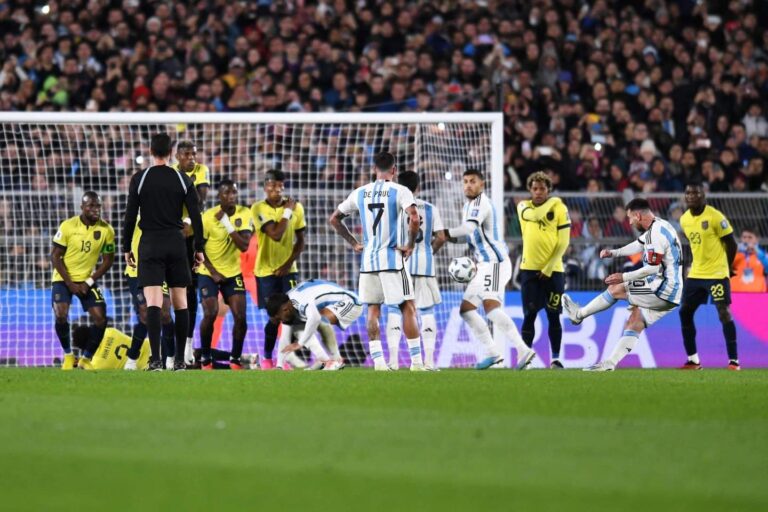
x=46 y=166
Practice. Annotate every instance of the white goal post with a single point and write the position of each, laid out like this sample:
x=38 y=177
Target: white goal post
x=49 y=159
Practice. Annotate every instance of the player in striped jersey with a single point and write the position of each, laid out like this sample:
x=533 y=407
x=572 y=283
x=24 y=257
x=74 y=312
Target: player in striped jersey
x=652 y=291
x=481 y=231
x=383 y=278
x=305 y=307
x=421 y=267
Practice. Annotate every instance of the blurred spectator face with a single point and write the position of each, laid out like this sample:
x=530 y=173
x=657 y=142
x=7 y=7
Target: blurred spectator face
x=689 y=159
x=640 y=132
x=675 y=153
x=217 y=88
x=398 y=91
x=658 y=168
x=749 y=239
x=529 y=129
x=722 y=124
x=727 y=157
x=594 y=228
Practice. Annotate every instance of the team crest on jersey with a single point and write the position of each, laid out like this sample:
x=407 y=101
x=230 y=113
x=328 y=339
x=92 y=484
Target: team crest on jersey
x=56 y=297
x=475 y=213
x=96 y=235
x=724 y=224
x=238 y=222
x=704 y=224
x=550 y=215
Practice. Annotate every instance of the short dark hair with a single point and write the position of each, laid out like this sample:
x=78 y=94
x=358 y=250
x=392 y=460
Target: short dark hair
x=409 y=180
x=275 y=302
x=474 y=172
x=161 y=145
x=638 y=204
x=541 y=177
x=751 y=229
x=90 y=195
x=226 y=182
x=185 y=144
x=384 y=161
x=274 y=175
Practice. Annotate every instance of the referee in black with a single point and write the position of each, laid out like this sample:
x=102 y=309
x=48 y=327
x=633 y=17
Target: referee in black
x=160 y=192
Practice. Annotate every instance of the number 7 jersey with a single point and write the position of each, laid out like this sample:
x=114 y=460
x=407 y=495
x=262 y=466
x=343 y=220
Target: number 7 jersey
x=379 y=204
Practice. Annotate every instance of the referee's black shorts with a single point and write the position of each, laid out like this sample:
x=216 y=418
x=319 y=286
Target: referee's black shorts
x=163 y=258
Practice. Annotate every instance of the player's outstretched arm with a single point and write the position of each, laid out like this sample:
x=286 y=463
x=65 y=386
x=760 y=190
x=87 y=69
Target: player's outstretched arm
x=336 y=222
x=439 y=240
x=631 y=248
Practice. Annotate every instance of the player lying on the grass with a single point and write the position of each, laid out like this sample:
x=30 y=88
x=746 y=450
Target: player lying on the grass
x=77 y=246
x=227 y=230
x=303 y=308
x=714 y=249
x=140 y=307
x=480 y=228
x=112 y=353
x=421 y=267
x=652 y=291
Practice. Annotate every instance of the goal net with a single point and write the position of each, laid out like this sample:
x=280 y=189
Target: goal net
x=49 y=159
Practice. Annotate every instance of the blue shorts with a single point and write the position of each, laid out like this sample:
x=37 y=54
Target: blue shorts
x=94 y=297
x=137 y=294
x=209 y=288
x=538 y=294
x=270 y=285
x=697 y=292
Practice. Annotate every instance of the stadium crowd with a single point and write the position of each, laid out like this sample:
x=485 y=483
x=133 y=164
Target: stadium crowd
x=604 y=96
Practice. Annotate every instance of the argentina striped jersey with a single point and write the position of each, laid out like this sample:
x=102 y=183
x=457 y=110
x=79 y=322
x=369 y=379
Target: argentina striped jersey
x=319 y=294
x=422 y=260
x=661 y=238
x=379 y=205
x=487 y=240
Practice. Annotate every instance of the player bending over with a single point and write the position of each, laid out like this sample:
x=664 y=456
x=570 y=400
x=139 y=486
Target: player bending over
x=652 y=291
x=227 y=230
x=480 y=226
x=77 y=246
x=305 y=307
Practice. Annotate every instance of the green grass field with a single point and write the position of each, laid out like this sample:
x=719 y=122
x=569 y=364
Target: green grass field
x=355 y=440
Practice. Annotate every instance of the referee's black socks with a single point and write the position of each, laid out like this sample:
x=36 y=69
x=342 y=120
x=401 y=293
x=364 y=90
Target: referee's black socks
x=181 y=319
x=154 y=326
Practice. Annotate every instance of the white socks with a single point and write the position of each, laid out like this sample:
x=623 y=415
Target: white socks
x=429 y=337
x=284 y=341
x=328 y=337
x=394 y=334
x=623 y=347
x=480 y=330
x=414 y=349
x=500 y=319
x=598 y=304
x=694 y=359
x=376 y=352
x=317 y=349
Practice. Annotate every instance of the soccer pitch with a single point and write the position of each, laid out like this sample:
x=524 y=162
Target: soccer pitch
x=356 y=440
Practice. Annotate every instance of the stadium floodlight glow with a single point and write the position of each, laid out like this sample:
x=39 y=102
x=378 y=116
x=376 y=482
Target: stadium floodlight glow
x=598 y=146
x=441 y=126
x=139 y=160
x=448 y=176
x=45 y=9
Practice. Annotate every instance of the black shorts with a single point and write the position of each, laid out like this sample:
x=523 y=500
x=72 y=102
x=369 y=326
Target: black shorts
x=541 y=293
x=137 y=292
x=209 y=288
x=269 y=285
x=702 y=291
x=163 y=259
x=94 y=297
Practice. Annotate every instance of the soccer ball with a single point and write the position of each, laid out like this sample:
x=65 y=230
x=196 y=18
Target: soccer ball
x=462 y=269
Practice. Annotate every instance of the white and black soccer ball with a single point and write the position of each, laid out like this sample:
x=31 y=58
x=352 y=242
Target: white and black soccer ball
x=462 y=270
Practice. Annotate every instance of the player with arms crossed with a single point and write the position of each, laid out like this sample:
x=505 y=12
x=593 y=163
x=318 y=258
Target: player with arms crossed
x=280 y=227
x=199 y=175
x=480 y=228
x=714 y=249
x=652 y=291
x=383 y=278
x=546 y=234
x=77 y=246
x=139 y=333
x=308 y=306
x=421 y=267
x=227 y=230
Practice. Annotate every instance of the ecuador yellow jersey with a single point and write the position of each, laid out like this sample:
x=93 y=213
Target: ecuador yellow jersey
x=112 y=352
x=704 y=232
x=271 y=255
x=84 y=244
x=540 y=226
x=220 y=250
x=134 y=271
x=200 y=175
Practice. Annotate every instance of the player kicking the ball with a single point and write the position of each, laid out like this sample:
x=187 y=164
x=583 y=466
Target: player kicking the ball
x=494 y=270
x=652 y=291
x=306 y=307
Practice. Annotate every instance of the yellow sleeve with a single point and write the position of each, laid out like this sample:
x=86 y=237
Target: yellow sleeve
x=563 y=217
x=563 y=239
x=109 y=244
x=300 y=222
x=258 y=218
x=203 y=177
x=722 y=226
x=206 y=226
x=62 y=235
